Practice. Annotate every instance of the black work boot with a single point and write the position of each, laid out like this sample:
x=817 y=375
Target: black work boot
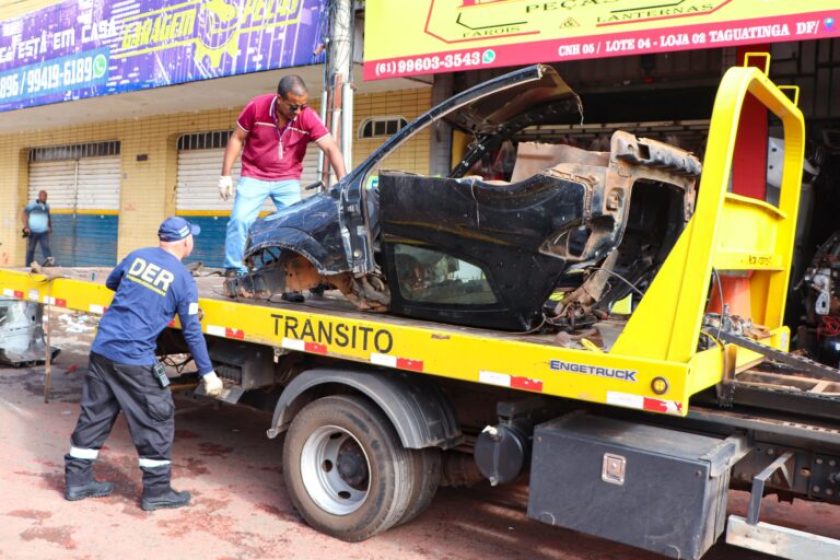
x=168 y=499
x=157 y=493
x=319 y=289
x=293 y=297
x=240 y=286
x=79 y=481
x=93 y=489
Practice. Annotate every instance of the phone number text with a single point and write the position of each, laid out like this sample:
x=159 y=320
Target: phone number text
x=430 y=63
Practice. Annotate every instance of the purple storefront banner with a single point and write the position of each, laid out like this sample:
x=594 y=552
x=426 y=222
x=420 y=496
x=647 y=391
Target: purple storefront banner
x=85 y=48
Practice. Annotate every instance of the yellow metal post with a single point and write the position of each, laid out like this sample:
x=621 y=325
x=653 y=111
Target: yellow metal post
x=728 y=232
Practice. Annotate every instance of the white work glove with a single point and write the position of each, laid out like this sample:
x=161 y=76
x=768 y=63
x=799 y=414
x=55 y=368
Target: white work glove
x=226 y=188
x=212 y=384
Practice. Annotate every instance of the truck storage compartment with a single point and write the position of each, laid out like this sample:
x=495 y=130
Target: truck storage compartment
x=654 y=488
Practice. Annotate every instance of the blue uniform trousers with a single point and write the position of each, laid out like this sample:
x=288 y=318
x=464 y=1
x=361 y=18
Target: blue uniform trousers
x=149 y=411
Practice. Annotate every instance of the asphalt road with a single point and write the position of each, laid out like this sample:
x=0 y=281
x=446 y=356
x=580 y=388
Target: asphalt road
x=240 y=508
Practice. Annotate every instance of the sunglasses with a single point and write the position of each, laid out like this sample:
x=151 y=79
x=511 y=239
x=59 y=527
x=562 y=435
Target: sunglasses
x=293 y=107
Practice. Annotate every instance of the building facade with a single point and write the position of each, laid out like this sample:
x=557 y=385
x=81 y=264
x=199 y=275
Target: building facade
x=116 y=161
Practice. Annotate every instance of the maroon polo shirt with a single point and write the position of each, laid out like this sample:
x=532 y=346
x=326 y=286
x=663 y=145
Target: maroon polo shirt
x=275 y=152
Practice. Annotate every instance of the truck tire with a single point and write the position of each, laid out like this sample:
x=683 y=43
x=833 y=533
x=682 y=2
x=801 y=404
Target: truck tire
x=427 y=466
x=345 y=468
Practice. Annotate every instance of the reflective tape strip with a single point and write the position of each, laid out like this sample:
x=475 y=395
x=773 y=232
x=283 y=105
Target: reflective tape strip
x=226 y=332
x=659 y=405
x=315 y=348
x=293 y=344
x=625 y=400
x=81 y=453
x=383 y=360
x=58 y=302
x=152 y=463
x=413 y=365
x=34 y=295
x=493 y=378
x=8 y=292
x=639 y=402
x=98 y=309
x=396 y=362
x=238 y=334
x=526 y=383
x=303 y=346
x=512 y=381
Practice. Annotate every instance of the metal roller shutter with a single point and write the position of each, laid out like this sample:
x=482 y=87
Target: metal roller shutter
x=99 y=184
x=197 y=183
x=83 y=195
x=197 y=197
x=97 y=211
x=58 y=178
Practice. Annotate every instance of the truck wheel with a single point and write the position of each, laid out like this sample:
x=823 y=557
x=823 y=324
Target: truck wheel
x=426 y=474
x=345 y=468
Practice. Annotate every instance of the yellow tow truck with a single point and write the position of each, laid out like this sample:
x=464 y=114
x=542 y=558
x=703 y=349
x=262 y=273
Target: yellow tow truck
x=636 y=440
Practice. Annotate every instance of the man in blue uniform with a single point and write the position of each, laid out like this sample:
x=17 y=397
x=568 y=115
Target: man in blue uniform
x=151 y=286
x=37 y=227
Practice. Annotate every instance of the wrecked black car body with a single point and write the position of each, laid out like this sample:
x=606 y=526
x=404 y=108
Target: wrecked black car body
x=594 y=225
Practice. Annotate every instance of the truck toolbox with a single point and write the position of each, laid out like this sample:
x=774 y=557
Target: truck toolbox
x=651 y=487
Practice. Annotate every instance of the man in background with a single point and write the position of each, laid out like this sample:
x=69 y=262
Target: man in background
x=37 y=227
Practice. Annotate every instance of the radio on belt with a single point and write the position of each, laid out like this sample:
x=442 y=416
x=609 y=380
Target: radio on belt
x=159 y=371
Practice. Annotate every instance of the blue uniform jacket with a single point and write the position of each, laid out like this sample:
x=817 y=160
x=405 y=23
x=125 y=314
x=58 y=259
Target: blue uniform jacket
x=152 y=285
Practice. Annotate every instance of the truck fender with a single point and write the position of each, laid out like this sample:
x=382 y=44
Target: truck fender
x=418 y=409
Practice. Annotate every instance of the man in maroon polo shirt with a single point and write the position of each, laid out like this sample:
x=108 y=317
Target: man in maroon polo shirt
x=275 y=130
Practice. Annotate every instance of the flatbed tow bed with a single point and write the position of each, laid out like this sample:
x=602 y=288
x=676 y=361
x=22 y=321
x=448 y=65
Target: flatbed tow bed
x=634 y=436
x=331 y=326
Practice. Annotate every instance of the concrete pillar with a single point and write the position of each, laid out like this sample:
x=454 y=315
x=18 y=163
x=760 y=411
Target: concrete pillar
x=339 y=82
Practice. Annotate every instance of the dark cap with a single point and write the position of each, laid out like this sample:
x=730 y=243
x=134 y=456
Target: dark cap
x=174 y=228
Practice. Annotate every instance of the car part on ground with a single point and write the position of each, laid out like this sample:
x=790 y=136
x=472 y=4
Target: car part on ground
x=22 y=334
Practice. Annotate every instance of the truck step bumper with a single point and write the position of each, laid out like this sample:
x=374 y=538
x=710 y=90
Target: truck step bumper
x=780 y=541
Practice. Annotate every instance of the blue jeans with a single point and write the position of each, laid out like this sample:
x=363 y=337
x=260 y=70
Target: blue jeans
x=250 y=195
x=42 y=238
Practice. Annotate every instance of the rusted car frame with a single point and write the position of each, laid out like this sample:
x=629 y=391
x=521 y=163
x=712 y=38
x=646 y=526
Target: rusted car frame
x=488 y=253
